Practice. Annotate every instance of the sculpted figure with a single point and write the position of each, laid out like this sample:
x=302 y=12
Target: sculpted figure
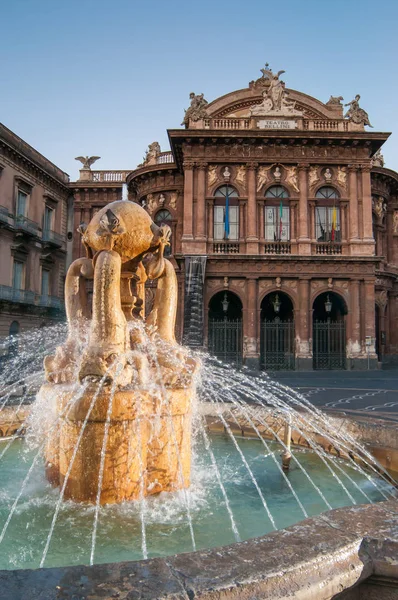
x=152 y=153
x=197 y=110
x=395 y=222
x=276 y=88
x=335 y=100
x=262 y=177
x=212 y=175
x=342 y=176
x=291 y=178
x=241 y=176
x=313 y=176
x=355 y=113
x=379 y=206
x=87 y=161
x=377 y=159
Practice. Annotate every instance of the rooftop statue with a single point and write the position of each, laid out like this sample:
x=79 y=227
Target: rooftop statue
x=356 y=114
x=377 y=159
x=197 y=110
x=87 y=161
x=275 y=97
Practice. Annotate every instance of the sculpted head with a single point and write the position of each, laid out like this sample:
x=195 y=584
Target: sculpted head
x=124 y=227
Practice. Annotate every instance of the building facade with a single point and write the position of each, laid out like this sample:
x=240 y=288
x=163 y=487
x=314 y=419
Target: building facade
x=35 y=201
x=284 y=227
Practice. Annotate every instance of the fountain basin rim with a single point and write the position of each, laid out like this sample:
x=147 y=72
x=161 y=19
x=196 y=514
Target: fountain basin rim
x=314 y=559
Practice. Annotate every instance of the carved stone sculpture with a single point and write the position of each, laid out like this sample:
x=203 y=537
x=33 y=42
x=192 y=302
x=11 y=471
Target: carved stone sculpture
x=277 y=174
x=356 y=114
x=291 y=178
x=335 y=100
x=173 y=200
x=197 y=110
x=342 y=177
x=151 y=203
x=151 y=154
x=328 y=175
x=240 y=176
x=313 y=176
x=87 y=161
x=395 y=222
x=137 y=381
x=275 y=97
x=379 y=207
x=212 y=175
x=377 y=159
x=262 y=177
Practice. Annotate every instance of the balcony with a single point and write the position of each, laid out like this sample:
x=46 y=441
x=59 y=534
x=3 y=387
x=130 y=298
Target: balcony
x=53 y=238
x=277 y=248
x=26 y=225
x=14 y=295
x=6 y=217
x=165 y=158
x=226 y=248
x=51 y=302
x=328 y=248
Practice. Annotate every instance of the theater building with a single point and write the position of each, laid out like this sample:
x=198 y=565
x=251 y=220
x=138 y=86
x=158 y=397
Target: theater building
x=284 y=227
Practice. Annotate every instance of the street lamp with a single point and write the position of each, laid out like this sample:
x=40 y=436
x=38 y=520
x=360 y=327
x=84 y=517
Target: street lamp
x=276 y=303
x=225 y=304
x=328 y=305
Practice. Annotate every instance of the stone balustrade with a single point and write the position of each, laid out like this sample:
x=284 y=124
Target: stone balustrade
x=165 y=158
x=104 y=176
x=225 y=248
x=277 y=248
x=327 y=248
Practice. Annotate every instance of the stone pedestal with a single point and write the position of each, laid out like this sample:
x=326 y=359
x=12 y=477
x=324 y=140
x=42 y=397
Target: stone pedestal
x=148 y=447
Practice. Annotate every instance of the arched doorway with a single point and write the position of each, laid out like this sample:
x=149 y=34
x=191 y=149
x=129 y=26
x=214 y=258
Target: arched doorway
x=277 y=332
x=329 y=332
x=225 y=327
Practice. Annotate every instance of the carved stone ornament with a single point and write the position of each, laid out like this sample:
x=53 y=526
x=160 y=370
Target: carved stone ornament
x=226 y=174
x=225 y=282
x=356 y=114
x=335 y=100
x=275 y=97
x=382 y=298
x=87 y=161
x=197 y=110
x=212 y=175
x=379 y=206
x=262 y=177
x=151 y=203
x=313 y=176
x=151 y=154
x=278 y=282
x=328 y=175
x=377 y=159
x=240 y=176
x=291 y=178
x=277 y=174
x=173 y=200
x=395 y=222
x=330 y=282
x=162 y=199
x=342 y=177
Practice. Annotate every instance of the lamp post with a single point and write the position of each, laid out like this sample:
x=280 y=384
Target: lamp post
x=225 y=304
x=328 y=309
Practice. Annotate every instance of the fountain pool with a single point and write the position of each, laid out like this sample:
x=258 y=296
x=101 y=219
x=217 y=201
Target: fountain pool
x=120 y=533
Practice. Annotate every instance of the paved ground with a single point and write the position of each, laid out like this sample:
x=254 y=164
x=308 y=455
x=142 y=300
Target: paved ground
x=373 y=393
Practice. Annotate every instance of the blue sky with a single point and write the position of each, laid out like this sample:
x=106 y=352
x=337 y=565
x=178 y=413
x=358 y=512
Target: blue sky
x=107 y=78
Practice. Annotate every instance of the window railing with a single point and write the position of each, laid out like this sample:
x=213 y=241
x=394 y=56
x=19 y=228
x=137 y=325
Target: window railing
x=6 y=216
x=25 y=224
x=327 y=248
x=226 y=248
x=16 y=295
x=53 y=237
x=51 y=302
x=277 y=248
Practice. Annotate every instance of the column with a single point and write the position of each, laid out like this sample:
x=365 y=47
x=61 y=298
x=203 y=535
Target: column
x=303 y=327
x=200 y=233
x=251 y=231
x=250 y=342
x=367 y=207
x=368 y=309
x=353 y=191
x=187 y=232
x=303 y=228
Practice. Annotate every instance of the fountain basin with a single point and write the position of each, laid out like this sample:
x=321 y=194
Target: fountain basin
x=148 y=447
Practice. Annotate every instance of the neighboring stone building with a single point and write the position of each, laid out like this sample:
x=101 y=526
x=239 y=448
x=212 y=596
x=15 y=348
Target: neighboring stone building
x=34 y=201
x=275 y=201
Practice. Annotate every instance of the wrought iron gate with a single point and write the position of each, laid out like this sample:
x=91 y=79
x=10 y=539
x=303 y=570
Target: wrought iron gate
x=329 y=345
x=277 y=345
x=225 y=340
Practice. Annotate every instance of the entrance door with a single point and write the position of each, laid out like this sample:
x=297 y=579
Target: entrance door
x=329 y=332
x=277 y=333
x=277 y=345
x=225 y=327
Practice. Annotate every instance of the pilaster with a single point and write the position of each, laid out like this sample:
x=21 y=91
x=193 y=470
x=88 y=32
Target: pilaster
x=303 y=327
x=250 y=342
x=304 y=243
x=251 y=232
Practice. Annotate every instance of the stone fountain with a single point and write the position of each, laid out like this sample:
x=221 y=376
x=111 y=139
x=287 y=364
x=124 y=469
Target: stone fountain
x=133 y=437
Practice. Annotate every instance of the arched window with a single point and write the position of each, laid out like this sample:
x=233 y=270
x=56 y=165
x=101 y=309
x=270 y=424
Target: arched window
x=327 y=215
x=226 y=222
x=163 y=217
x=277 y=215
x=13 y=341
